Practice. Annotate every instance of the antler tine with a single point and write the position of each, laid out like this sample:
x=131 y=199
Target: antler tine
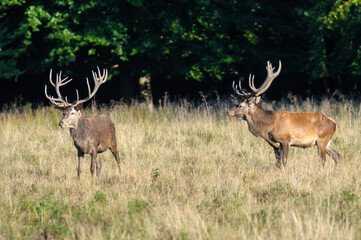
x=279 y=68
x=57 y=101
x=236 y=90
x=98 y=80
x=240 y=86
x=60 y=82
x=57 y=85
x=46 y=92
x=100 y=75
x=239 y=92
x=87 y=82
x=50 y=76
x=251 y=83
x=269 y=66
x=270 y=77
x=95 y=78
x=105 y=75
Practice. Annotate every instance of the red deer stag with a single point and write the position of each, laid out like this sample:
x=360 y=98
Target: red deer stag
x=91 y=135
x=283 y=129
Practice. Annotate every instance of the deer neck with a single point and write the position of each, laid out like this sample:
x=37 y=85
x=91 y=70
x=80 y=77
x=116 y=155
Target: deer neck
x=78 y=131
x=259 y=120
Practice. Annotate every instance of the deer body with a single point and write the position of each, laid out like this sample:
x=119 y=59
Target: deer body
x=300 y=129
x=284 y=129
x=91 y=135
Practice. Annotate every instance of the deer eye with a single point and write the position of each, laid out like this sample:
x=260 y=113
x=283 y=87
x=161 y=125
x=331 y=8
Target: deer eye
x=72 y=113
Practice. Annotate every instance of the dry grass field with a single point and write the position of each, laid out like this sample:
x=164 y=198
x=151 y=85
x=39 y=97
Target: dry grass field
x=188 y=173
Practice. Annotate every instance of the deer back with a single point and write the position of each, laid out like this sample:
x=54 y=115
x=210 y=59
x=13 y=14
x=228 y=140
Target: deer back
x=302 y=128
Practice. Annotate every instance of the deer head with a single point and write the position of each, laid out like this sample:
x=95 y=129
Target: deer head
x=250 y=98
x=71 y=114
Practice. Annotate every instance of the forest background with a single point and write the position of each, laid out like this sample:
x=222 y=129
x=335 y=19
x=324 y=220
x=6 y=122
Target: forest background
x=183 y=46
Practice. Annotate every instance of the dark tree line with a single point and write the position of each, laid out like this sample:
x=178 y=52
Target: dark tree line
x=184 y=46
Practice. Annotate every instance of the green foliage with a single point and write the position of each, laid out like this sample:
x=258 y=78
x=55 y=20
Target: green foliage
x=264 y=216
x=137 y=206
x=60 y=33
x=100 y=197
x=8 y=67
x=45 y=216
x=155 y=174
x=336 y=45
x=199 y=40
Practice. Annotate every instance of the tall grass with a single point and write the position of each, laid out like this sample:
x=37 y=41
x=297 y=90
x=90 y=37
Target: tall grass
x=189 y=172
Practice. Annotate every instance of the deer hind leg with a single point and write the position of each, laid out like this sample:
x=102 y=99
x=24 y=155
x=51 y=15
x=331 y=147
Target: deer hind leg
x=333 y=153
x=98 y=166
x=285 y=148
x=114 y=150
x=278 y=153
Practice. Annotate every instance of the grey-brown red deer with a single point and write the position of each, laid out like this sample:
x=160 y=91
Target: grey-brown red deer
x=91 y=135
x=283 y=129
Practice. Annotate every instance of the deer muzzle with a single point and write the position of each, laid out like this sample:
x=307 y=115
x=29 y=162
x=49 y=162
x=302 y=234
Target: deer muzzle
x=231 y=112
x=61 y=124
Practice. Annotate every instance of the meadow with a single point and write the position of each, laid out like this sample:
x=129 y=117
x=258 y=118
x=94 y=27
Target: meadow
x=188 y=172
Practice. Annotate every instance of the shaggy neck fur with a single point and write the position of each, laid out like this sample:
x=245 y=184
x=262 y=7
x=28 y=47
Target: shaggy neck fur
x=79 y=130
x=259 y=120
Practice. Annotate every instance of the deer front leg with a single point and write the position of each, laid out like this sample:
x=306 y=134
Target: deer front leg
x=92 y=163
x=80 y=162
x=277 y=148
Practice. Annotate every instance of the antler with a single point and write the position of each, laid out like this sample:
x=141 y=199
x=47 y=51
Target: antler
x=60 y=102
x=98 y=80
x=263 y=88
x=270 y=77
x=241 y=92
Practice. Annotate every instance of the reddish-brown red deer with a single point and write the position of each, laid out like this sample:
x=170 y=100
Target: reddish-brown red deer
x=91 y=135
x=283 y=129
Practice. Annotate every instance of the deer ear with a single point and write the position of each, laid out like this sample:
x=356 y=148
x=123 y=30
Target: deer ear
x=79 y=107
x=254 y=100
